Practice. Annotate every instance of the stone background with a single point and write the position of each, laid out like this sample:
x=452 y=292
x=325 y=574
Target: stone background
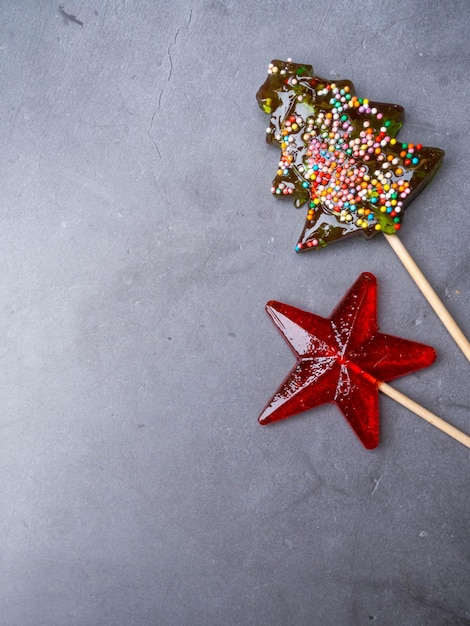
x=139 y=244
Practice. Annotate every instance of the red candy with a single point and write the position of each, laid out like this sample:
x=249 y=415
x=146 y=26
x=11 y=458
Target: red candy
x=342 y=360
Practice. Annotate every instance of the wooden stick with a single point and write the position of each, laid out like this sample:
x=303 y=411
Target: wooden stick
x=425 y=414
x=429 y=293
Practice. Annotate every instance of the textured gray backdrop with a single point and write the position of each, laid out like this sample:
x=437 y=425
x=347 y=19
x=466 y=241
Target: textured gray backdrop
x=139 y=244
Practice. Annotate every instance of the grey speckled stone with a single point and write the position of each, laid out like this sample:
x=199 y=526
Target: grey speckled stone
x=139 y=244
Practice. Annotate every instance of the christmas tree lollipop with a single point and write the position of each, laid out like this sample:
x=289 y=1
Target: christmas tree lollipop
x=340 y=156
x=344 y=360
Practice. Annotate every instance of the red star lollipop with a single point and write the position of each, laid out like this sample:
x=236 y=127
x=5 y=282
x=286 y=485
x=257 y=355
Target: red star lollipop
x=344 y=360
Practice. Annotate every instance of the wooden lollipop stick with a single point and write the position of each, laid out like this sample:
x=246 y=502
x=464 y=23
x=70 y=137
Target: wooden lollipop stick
x=429 y=293
x=419 y=410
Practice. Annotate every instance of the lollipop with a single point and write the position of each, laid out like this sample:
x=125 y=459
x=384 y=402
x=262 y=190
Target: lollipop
x=345 y=360
x=340 y=157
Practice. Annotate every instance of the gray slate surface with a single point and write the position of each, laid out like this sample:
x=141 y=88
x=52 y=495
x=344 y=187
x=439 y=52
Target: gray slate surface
x=139 y=245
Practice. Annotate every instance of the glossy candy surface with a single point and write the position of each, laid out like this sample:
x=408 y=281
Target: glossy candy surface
x=339 y=154
x=341 y=360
